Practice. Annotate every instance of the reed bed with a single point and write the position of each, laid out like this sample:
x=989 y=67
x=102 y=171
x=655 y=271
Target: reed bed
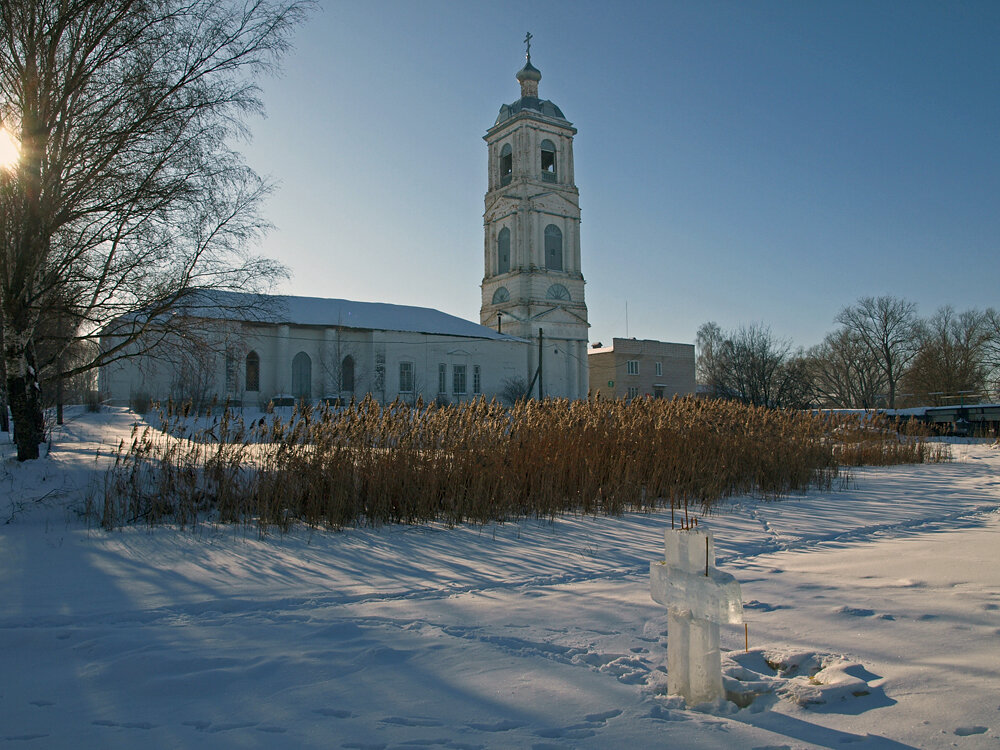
x=480 y=462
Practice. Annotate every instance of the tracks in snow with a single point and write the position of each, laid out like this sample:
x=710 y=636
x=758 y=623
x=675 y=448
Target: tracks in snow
x=237 y=607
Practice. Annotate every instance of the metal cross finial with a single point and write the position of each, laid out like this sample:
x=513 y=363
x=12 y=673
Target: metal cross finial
x=527 y=41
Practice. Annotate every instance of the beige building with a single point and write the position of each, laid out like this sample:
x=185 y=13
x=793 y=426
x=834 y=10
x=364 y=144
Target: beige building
x=632 y=368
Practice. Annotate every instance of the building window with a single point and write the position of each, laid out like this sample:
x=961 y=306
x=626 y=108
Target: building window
x=406 y=377
x=553 y=248
x=347 y=374
x=302 y=376
x=506 y=164
x=442 y=378
x=633 y=392
x=380 y=373
x=548 y=161
x=458 y=379
x=632 y=367
x=253 y=371
x=657 y=392
x=659 y=369
x=232 y=381
x=557 y=291
x=503 y=251
x=501 y=295
x=477 y=382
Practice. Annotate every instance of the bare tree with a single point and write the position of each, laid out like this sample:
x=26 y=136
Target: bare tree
x=953 y=356
x=127 y=195
x=343 y=367
x=993 y=352
x=845 y=374
x=888 y=329
x=513 y=390
x=750 y=365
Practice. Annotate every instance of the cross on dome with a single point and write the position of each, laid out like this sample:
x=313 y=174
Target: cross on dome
x=529 y=75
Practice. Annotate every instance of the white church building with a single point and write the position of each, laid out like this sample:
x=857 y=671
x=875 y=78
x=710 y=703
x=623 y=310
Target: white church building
x=533 y=321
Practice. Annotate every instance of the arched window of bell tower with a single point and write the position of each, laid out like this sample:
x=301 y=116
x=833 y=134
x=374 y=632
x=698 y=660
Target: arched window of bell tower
x=503 y=251
x=553 y=248
x=506 y=164
x=548 y=161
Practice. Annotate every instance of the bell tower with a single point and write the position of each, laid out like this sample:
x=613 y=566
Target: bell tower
x=533 y=279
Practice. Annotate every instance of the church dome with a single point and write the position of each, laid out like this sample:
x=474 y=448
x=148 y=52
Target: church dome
x=529 y=73
x=532 y=103
x=528 y=77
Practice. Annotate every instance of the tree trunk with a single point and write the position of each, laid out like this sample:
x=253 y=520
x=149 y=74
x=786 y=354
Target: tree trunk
x=25 y=396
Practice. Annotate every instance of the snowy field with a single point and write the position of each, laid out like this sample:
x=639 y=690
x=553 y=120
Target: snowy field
x=873 y=611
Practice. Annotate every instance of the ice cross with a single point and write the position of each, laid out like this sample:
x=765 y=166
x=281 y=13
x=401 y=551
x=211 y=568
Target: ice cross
x=698 y=597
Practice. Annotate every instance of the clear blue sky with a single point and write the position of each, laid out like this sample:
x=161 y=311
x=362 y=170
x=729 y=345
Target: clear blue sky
x=737 y=161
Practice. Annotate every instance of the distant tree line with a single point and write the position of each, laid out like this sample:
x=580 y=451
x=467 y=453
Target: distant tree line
x=882 y=354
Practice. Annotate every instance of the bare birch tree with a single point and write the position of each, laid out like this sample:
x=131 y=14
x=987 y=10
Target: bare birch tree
x=128 y=193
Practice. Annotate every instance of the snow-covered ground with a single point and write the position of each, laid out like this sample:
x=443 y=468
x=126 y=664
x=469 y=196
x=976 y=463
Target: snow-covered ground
x=873 y=612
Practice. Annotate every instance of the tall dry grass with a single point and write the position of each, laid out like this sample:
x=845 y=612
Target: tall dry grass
x=480 y=461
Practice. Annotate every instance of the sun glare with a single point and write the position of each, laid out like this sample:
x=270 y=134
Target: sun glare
x=9 y=152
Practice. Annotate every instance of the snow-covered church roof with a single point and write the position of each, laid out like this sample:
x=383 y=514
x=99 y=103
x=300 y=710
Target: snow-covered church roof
x=318 y=311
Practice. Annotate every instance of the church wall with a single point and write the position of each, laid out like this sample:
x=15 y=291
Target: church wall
x=175 y=373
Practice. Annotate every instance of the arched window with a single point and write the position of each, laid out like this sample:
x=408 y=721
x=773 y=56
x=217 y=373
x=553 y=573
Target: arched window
x=347 y=374
x=506 y=164
x=553 y=248
x=501 y=295
x=503 y=251
x=558 y=291
x=302 y=376
x=253 y=371
x=548 y=161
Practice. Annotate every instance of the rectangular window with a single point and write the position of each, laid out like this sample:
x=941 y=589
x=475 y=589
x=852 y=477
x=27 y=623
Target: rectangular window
x=406 y=377
x=633 y=392
x=458 y=379
x=232 y=381
x=632 y=367
x=659 y=369
x=379 y=373
x=477 y=382
x=253 y=371
x=442 y=378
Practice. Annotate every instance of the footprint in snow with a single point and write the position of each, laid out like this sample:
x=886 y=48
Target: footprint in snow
x=229 y=726
x=411 y=721
x=575 y=732
x=123 y=724
x=603 y=716
x=855 y=611
x=966 y=731
x=23 y=737
x=334 y=713
x=504 y=725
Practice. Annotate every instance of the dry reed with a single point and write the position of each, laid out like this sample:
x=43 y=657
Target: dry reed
x=481 y=462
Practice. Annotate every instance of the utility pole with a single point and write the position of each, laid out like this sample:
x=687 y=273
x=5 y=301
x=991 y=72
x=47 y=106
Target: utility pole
x=541 y=390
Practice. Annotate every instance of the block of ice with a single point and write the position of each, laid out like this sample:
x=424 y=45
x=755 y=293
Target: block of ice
x=715 y=597
x=698 y=597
